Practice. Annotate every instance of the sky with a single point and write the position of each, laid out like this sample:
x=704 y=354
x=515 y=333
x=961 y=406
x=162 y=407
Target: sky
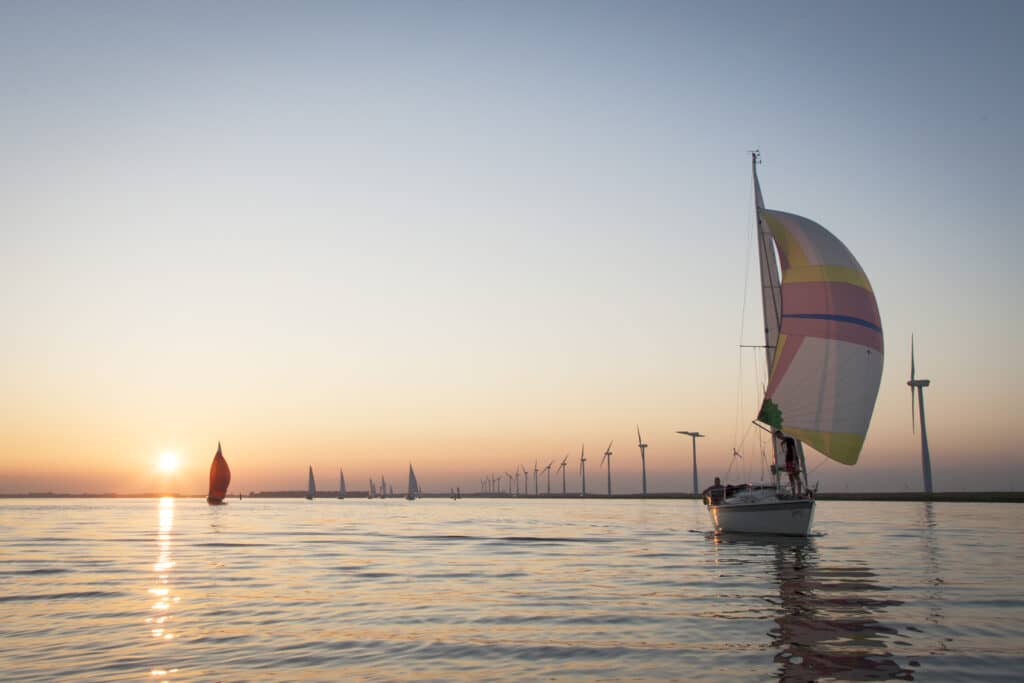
x=475 y=235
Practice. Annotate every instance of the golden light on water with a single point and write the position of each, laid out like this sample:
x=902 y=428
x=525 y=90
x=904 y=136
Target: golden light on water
x=162 y=567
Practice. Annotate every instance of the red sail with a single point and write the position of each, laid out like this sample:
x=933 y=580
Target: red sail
x=220 y=477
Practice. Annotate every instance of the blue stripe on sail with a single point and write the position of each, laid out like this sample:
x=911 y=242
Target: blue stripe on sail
x=839 y=318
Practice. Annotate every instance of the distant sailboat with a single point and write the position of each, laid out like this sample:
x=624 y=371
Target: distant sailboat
x=414 y=487
x=372 y=493
x=220 y=477
x=823 y=338
x=311 y=490
x=341 y=484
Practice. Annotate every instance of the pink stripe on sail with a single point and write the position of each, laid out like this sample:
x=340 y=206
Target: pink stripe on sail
x=837 y=298
x=833 y=329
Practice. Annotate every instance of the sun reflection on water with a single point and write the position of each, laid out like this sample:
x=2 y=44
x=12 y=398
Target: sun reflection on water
x=158 y=624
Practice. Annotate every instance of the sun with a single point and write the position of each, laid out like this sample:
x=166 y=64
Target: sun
x=168 y=462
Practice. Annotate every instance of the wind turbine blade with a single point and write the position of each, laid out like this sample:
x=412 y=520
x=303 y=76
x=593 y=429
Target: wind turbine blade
x=639 y=439
x=911 y=358
x=609 y=449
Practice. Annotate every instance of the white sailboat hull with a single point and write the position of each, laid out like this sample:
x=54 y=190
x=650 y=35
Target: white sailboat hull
x=764 y=512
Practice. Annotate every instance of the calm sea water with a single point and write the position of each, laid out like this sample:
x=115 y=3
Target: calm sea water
x=287 y=590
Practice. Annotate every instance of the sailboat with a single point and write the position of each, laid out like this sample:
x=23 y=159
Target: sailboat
x=311 y=489
x=823 y=339
x=414 y=487
x=372 y=492
x=220 y=477
x=341 y=484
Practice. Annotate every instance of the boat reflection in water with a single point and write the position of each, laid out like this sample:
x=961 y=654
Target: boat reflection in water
x=828 y=624
x=158 y=623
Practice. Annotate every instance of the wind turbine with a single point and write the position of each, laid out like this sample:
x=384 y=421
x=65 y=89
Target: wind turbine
x=694 y=436
x=920 y=384
x=643 y=457
x=536 y=488
x=526 y=481
x=608 y=457
x=583 y=472
x=562 y=467
x=510 y=482
x=548 y=470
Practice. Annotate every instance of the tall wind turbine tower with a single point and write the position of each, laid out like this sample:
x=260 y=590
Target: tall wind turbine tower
x=510 y=483
x=583 y=473
x=920 y=384
x=548 y=470
x=536 y=488
x=694 y=436
x=608 y=457
x=643 y=457
x=562 y=467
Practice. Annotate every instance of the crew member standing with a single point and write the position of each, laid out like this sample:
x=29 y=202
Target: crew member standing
x=789 y=449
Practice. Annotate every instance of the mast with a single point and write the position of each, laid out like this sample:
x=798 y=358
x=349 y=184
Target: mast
x=771 y=291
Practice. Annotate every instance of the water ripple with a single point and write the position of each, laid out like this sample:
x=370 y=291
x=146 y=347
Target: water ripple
x=283 y=590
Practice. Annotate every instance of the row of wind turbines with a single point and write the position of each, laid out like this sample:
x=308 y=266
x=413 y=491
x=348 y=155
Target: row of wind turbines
x=491 y=484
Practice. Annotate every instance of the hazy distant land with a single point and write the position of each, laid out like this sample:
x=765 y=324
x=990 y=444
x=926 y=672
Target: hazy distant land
x=941 y=497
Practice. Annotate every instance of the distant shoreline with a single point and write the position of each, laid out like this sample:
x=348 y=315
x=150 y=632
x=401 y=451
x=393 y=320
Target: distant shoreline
x=941 y=497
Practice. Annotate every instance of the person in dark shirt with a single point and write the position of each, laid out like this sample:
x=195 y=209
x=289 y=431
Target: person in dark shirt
x=789 y=450
x=715 y=492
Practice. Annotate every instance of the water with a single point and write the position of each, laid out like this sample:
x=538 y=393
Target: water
x=286 y=590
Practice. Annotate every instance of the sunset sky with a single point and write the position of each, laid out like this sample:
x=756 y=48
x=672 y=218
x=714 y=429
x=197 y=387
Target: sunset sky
x=474 y=235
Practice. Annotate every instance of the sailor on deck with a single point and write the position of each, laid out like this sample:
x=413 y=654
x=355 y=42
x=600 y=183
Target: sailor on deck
x=789 y=449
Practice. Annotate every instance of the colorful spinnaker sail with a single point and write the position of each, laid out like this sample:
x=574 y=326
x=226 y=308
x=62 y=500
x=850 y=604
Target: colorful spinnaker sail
x=220 y=477
x=827 y=365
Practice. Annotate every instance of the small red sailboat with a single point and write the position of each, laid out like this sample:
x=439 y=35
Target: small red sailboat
x=220 y=477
